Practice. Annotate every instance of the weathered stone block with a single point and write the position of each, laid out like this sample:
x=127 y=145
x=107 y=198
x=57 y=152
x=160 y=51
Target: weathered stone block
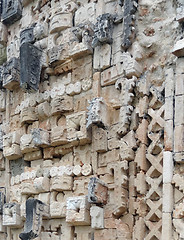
x=97 y=191
x=99 y=139
x=97 y=217
x=77 y=212
x=27 y=144
x=103 y=30
x=26 y=36
x=42 y=184
x=30 y=62
x=61 y=183
x=77 y=128
x=178 y=49
x=12 y=11
x=28 y=115
x=11 y=146
x=35 y=211
x=11 y=74
x=41 y=138
x=11 y=215
x=60 y=21
x=58 y=209
x=61 y=104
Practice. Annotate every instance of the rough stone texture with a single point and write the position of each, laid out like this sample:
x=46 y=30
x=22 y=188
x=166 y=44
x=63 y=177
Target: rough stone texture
x=91 y=119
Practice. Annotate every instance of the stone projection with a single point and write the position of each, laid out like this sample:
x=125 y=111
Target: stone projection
x=91 y=120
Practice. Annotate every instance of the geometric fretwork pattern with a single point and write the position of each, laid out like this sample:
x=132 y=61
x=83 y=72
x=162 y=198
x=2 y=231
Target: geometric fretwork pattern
x=154 y=156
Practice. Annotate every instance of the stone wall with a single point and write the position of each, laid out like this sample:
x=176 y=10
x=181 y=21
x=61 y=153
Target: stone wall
x=92 y=120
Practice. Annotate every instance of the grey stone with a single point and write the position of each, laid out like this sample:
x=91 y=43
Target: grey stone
x=17 y=166
x=11 y=11
x=30 y=70
x=103 y=30
x=130 y=8
x=35 y=209
x=26 y=35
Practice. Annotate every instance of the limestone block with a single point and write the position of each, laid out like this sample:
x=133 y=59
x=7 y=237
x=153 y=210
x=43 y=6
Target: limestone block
x=178 y=138
x=131 y=66
x=77 y=170
x=77 y=128
x=106 y=158
x=83 y=155
x=2 y=201
x=58 y=130
x=86 y=170
x=99 y=139
x=140 y=183
x=98 y=113
x=11 y=146
x=139 y=229
x=58 y=209
x=12 y=12
x=2 y=228
x=179 y=85
x=80 y=186
x=3 y=56
x=2 y=100
x=97 y=191
x=58 y=55
x=121 y=196
x=178 y=211
x=103 y=30
x=11 y=74
x=105 y=234
x=60 y=21
x=141 y=132
x=178 y=49
x=28 y=115
x=31 y=156
x=102 y=57
x=3 y=34
x=40 y=31
x=41 y=138
x=178 y=224
x=73 y=89
x=61 y=104
x=2 y=161
x=61 y=183
x=168 y=135
x=110 y=76
x=85 y=13
x=97 y=217
x=83 y=232
x=42 y=184
x=27 y=144
x=168 y=167
x=77 y=212
x=179 y=110
x=11 y=215
x=43 y=110
x=35 y=211
x=28 y=188
x=179 y=157
x=180 y=14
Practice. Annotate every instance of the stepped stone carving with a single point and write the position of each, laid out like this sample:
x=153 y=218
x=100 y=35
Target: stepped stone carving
x=35 y=211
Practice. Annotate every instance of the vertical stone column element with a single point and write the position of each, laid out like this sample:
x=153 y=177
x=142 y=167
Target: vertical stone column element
x=11 y=11
x=11 y=74
x=35 y=210
x=103 y=30
x=11 y=215
x=30 y=70
x=130 y=7
x=97 y=191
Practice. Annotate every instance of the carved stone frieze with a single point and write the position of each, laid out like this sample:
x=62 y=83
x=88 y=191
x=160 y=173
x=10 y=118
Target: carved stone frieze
x=11 y=11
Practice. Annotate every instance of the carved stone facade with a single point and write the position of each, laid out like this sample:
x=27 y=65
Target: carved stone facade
x=91 y=120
